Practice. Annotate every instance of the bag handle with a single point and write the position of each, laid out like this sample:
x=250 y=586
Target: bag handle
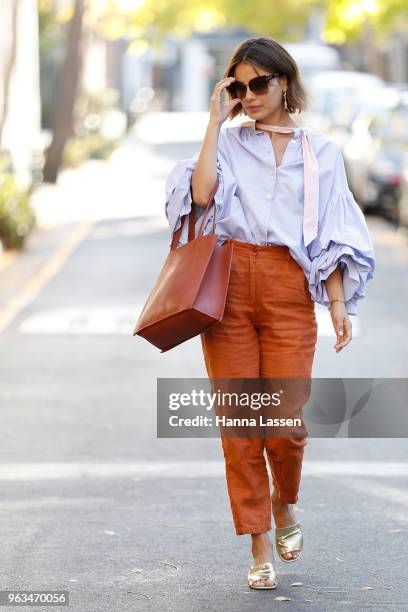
x=210 y=199
x=191 y=215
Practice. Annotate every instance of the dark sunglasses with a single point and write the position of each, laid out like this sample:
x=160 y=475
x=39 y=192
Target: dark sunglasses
x=258 y=86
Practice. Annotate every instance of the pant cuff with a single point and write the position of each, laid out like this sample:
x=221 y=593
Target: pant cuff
x=289 y=499
x=242 y=529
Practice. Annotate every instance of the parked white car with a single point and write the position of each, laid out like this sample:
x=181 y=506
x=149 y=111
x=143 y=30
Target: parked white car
x=334 y=95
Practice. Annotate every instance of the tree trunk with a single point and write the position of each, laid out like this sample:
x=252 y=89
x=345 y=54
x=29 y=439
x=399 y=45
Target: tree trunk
x=67 y=93
x=370 y=52
x=8 y=69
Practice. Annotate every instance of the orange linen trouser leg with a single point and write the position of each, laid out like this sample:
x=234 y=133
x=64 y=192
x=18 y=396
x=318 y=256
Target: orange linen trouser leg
x=268 y=330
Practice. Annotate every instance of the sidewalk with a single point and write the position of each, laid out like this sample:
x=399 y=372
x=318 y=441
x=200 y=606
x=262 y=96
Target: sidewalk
x=129 y=184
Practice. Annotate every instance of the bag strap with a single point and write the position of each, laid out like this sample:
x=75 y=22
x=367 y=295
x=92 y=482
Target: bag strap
x=191 y=221
x=191 y=215
x=210 y=199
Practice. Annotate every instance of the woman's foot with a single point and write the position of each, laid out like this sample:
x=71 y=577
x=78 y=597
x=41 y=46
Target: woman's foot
x=284 y=516
x=262 y=551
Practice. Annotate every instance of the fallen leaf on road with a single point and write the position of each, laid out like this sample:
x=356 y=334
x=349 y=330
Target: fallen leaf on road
x=330 y=589
x=168 y=563
x=139 y=593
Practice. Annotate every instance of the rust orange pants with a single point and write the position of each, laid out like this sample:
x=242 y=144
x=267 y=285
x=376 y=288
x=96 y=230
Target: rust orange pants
x=268 y=330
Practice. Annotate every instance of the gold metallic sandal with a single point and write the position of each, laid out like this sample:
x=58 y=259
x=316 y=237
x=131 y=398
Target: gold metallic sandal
x=265 y=571
x=289 y=539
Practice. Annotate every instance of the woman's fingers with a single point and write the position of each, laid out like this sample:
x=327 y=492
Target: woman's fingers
x=219 y=110
x=219 y=88
x=343 y=329
x=224 y=82
x=233 y=103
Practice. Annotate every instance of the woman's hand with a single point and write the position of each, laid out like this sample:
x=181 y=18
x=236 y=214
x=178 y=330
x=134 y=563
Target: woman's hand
x=205 y=171
x=342 y=325
x=219 y=110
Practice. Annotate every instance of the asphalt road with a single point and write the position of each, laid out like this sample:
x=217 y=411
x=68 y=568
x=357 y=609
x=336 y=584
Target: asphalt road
x=94 y=503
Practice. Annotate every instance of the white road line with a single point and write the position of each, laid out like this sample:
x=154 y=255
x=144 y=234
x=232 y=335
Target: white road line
x=37 y=282
x=144 y=470
x=115 y=319
x=387 y=492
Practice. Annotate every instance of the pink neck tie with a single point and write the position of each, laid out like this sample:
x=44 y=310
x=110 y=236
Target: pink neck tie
x=311 y=180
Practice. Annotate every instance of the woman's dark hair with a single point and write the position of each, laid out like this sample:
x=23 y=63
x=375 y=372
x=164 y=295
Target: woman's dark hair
x=267 y=54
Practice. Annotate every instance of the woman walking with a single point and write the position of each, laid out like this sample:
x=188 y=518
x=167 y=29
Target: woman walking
x=298 y=238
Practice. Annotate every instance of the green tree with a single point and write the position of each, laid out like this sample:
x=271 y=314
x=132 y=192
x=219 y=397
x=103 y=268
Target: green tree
x=148 y=21
x=366 y=22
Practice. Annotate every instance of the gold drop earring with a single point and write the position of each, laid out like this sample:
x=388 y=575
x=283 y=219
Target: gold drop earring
x=285 y=102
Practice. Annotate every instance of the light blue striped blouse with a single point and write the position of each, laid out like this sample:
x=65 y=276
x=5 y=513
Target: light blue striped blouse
x=260 y=203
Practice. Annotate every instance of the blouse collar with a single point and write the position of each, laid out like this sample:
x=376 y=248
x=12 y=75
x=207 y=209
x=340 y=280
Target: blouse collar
x=251 y=124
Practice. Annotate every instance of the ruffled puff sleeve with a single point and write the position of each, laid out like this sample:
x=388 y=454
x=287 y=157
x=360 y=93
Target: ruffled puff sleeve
x=178 y=195
x=343 y=239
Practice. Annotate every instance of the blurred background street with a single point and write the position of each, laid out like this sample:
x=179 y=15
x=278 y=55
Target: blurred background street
x=98 y=102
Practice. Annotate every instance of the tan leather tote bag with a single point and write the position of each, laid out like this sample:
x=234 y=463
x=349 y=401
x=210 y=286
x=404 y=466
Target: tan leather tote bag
x=190 y=293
